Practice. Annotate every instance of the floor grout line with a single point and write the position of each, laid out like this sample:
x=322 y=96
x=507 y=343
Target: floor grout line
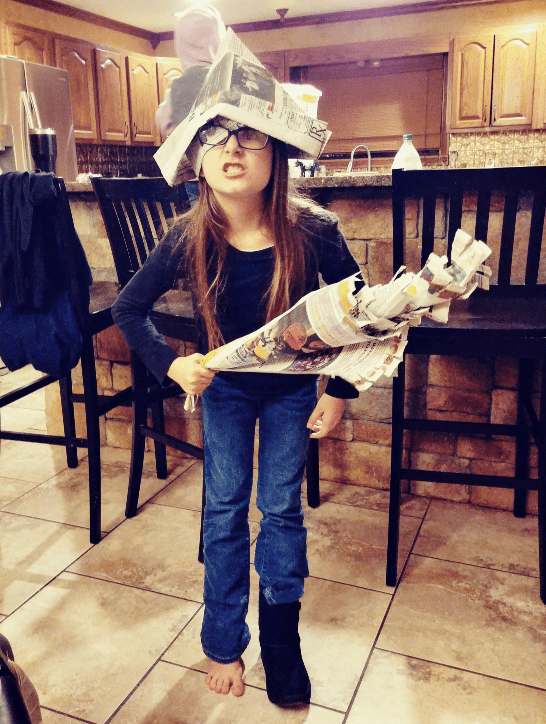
x=460 y=668
x=392 y=593
x=476 y=565
x=389 y=606
x=154 y=665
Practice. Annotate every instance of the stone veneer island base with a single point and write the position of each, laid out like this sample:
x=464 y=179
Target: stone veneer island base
x=358 y=450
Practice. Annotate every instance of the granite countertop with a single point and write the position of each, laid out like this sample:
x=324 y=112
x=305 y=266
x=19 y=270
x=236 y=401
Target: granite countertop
x=75 y=187
x=344 y=181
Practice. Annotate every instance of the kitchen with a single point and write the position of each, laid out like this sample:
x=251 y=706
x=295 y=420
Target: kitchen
x=404 y=68
x=361 y=443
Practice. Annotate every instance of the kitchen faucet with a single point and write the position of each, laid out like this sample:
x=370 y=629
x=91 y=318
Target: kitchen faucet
x=350 y=165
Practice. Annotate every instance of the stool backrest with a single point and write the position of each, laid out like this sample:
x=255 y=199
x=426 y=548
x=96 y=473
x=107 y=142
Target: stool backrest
x=136 y=213
x=474 y=200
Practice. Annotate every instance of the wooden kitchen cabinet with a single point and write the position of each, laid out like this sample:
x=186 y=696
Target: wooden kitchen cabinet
x=492 y=79
x=513 y=79
x=142 y=81
x=76 y=57
x=539 y=104
x=30 y=44
x=167 y=70
x=471 y=74
x=112 y=96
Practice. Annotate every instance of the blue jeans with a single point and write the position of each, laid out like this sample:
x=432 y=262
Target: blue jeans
x=229 y=419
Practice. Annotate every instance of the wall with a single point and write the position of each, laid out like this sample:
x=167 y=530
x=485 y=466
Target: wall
x=15 y=12
x=458 y=21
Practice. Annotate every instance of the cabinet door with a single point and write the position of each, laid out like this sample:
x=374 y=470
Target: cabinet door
x=539 y=100
x=30 y=45
x=141 y=73
x=513 y=79
x=112 y=95
x=471 y=76
x=77 y=58
x=167 y=70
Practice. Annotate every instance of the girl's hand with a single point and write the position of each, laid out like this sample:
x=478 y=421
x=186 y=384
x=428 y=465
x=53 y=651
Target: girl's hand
x=192 y=377
x=325 y=416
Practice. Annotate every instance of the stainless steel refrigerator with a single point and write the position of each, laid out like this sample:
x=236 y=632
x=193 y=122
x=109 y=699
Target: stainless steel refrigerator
x=35 y=96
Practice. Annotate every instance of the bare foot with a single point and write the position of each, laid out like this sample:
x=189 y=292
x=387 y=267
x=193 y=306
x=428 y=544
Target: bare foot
x=223 y=678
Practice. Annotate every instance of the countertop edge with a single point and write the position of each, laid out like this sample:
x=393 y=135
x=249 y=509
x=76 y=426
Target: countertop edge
x=319 y=182
x=78 y=187
x=343 y=181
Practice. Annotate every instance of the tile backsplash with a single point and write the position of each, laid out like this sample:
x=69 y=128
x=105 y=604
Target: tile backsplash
x=502 y=148
x=112 y=160
x=466 y=150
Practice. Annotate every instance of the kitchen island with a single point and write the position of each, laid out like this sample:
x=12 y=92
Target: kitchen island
x=358 y=450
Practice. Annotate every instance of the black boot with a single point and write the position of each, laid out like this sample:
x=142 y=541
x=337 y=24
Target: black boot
x=286 y=678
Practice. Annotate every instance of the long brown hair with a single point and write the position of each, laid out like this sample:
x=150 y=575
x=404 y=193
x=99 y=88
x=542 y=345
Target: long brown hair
x=204 y=243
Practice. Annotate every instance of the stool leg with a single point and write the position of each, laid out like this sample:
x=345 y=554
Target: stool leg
x=397 y=441
x=542 y=487
x=158 y=423
x=521 y=470
x=91 y=402
x=313 y=474
x=69 y=424
x=140 y=410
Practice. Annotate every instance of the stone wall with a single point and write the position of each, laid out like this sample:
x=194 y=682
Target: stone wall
x=358 y=450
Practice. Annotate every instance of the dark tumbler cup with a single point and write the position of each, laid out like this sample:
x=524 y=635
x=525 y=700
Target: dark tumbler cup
x=43 y=147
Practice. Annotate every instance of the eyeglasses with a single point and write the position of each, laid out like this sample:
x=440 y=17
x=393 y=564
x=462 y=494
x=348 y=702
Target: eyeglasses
x=214 y=135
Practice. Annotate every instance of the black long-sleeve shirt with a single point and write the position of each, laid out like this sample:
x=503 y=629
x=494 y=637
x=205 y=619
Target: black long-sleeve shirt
x=240 y=305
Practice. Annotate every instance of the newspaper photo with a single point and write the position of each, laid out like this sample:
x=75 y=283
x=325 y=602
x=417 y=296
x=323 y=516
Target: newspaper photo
x=355 y=331
x=240 y=88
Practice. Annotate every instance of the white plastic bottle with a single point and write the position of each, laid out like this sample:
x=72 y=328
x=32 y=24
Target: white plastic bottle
x=407 y=156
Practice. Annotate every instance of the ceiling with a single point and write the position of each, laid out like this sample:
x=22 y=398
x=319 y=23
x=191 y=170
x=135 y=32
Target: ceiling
x=157 y=16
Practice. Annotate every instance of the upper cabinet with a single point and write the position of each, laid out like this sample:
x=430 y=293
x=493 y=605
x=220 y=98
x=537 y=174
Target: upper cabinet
x=29 y=44
x=76 y=57
x=492 y=78
x=142 y=77
x=471 y=72
x=112 y=96
x=513 y=79
x=539 y=105
x=167 y=70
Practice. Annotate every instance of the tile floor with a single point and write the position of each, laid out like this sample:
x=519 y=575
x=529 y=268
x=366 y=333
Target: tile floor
x=110 y=633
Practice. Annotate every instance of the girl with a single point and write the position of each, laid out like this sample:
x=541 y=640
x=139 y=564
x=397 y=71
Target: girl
x=251 y=250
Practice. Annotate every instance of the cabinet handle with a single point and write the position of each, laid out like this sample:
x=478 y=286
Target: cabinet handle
x=126 y=129
x=494 y=114
x=485 y=114
x=135 y=129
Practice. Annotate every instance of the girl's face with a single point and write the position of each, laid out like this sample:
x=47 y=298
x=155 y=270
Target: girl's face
x=233 y=172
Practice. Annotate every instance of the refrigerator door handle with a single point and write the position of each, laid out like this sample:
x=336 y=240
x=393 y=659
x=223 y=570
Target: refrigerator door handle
x=26 y=125
x=27 y=108
x=34 y=105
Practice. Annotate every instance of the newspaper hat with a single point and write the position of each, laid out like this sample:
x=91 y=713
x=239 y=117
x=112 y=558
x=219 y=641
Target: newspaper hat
x=239 y=88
